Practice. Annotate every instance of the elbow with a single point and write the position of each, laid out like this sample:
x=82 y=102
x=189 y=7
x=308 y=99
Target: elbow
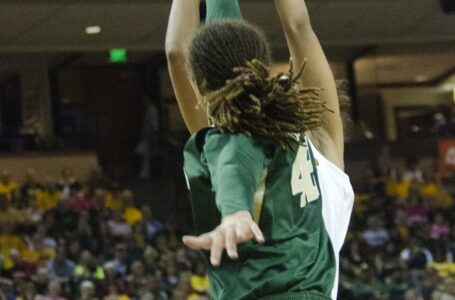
x=174 y=51
x=175 y=54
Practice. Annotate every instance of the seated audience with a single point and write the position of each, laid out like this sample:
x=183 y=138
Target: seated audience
x=87 y=291
x=137 y=280
x=131 y=214
x=54 y=291
x=68 y=185
x=60 y=267
x=83 y=200
x=30 y=186
x=152 y=226
x=401 y=242
x=118 y=227
x=113 y=283
x=415 y=256
x=375 y=235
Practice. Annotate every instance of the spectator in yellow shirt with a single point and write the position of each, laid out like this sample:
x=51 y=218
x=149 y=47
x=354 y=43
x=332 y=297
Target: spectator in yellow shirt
x=131 y=214
x=398 y=186
x=7 y=185
x=113 y=199
x=8 y=241
x=48 y=198
x=432 y=189
x=444 y=269
x=199 y=280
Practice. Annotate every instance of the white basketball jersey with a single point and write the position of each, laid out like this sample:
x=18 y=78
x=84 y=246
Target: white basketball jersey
x=337 y=202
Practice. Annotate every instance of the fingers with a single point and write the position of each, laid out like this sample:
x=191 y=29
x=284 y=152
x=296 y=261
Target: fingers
x=248 y=232
x=257 y=233
x=203 y=241
x=217 y=248
x=230 y=242
x=225 y=237
x=243 y=234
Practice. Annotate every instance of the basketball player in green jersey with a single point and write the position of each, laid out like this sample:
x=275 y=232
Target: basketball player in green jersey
x=266 y=178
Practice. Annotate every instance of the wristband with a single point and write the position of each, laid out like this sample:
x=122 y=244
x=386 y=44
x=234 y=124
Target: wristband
x=222 y=9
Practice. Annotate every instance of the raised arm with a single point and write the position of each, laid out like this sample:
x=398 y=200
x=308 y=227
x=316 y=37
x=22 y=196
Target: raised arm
x=303 y=44
x=184 y=22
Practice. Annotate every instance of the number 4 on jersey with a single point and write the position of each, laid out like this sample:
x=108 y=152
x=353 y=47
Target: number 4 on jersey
x=303 y=177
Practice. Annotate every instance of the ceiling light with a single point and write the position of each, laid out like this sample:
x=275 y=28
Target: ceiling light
x=92 y=29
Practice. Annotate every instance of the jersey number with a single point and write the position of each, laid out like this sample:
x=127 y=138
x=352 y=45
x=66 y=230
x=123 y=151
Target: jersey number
x=304 y=177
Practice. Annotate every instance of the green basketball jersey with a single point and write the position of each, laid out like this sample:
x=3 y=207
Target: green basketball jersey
x=301 y=202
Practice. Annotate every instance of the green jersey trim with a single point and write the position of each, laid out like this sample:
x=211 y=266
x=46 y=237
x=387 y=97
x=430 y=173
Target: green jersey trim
x=258 y=198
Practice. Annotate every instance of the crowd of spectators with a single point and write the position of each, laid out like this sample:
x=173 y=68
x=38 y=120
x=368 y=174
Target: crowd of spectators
x=69 y=240
x=401 y=242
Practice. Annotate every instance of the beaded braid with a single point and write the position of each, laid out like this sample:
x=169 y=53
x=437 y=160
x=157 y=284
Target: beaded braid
x=275 y=108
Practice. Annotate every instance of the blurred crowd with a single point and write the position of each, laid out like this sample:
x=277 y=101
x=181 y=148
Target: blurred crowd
x=401 y=243
x=72 y=240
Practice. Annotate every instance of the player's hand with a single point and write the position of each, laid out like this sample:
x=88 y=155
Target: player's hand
x=234 y=229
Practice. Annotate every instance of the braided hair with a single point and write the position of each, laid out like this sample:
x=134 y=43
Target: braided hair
x=230 y=60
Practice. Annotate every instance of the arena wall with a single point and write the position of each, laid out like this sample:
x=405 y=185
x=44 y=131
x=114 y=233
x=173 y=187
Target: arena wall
x=48 y=166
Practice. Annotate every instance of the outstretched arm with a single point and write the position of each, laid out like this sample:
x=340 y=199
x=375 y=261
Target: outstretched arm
x=183 y=25
x=236 y=165
x=234 y=188
x=303 y=44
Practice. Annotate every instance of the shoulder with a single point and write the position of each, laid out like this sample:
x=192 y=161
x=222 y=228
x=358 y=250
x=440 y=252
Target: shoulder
x=237 y=144
x=213 y=140
x=197 y=140
x=216 y=138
